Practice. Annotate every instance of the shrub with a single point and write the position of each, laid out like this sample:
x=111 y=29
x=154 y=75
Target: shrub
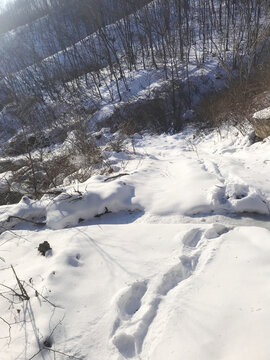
x=237 y=103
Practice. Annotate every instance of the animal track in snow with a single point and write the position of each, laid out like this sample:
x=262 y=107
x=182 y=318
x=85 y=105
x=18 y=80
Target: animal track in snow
x=176 y=274
x=129 y=302
x=212 y=168
x=219 y=198
x=125 y=345
x=216 y=230
x=173 y=277
x=192 y=238
x=74 y=260
x=129 y=332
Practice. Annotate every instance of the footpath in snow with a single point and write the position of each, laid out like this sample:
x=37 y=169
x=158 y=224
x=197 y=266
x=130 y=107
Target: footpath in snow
x=168 y=260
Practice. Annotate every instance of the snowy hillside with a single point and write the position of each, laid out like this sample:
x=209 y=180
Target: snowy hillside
x=134 y=180
x=66 y=63
x=167 y=258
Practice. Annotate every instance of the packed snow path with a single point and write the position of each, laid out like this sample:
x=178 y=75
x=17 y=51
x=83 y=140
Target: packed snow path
x=176 y=264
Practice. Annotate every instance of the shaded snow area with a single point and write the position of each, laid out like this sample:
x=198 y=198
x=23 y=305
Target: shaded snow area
x=169 y=258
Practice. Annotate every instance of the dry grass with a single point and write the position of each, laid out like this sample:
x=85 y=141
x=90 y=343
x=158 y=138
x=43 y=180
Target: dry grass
x=237 y=103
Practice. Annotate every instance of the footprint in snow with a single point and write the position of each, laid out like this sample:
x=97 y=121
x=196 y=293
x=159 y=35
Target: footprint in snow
x=130 y=301
x=216 y=230
x=192 y=238
x=125 y=345
x=177 y=274
x=74 y=260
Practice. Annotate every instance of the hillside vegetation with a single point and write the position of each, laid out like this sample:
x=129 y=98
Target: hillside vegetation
x=69 y=68
x=134 y=180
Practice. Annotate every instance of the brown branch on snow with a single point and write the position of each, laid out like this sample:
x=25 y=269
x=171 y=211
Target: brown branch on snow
x=106 y=211
x=38 y=223
x=115 y=177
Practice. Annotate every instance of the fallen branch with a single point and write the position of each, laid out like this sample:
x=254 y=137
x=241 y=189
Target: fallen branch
x=104 y=213
x=115 y=177
x=38 y=223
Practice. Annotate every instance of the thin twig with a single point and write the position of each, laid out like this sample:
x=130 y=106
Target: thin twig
x=32 y=357
x=14 y=292
x=39 y=223
x=13 y=233
x=62 y=353
x=9 y=328
x=24 y=294
x=39 y=294
x=115 y=177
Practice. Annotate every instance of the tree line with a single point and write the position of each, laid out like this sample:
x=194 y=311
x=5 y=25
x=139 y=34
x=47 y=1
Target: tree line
x=161 y=34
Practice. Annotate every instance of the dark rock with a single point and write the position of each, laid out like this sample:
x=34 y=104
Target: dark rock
x=44 y=247
x=47 y=343
x=261 y=123
x=98 y=136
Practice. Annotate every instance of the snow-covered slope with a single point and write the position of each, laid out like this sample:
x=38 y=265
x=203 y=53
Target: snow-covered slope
x=169 y=259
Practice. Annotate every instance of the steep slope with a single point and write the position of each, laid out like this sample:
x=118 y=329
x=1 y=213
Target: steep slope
x=169 y=258
x=171 y=37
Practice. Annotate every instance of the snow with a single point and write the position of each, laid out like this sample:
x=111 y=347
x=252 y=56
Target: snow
x=27 y=209
x=67 y=209
x=169 y=259
x=262 y=114
x=4 y=181
x=225 y=307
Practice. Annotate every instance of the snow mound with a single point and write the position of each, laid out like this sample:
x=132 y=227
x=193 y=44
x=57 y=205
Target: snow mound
x=26 y=209
x=239 y=198
x=245 y=199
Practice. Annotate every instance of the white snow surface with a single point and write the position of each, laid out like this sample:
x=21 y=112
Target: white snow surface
x=168 y=260
x=262 y=114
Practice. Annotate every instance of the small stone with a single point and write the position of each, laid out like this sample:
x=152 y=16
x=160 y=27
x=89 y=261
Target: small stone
x=44 y=247
x=47 y=343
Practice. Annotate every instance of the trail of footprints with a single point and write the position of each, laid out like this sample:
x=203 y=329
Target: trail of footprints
x=137 y=307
